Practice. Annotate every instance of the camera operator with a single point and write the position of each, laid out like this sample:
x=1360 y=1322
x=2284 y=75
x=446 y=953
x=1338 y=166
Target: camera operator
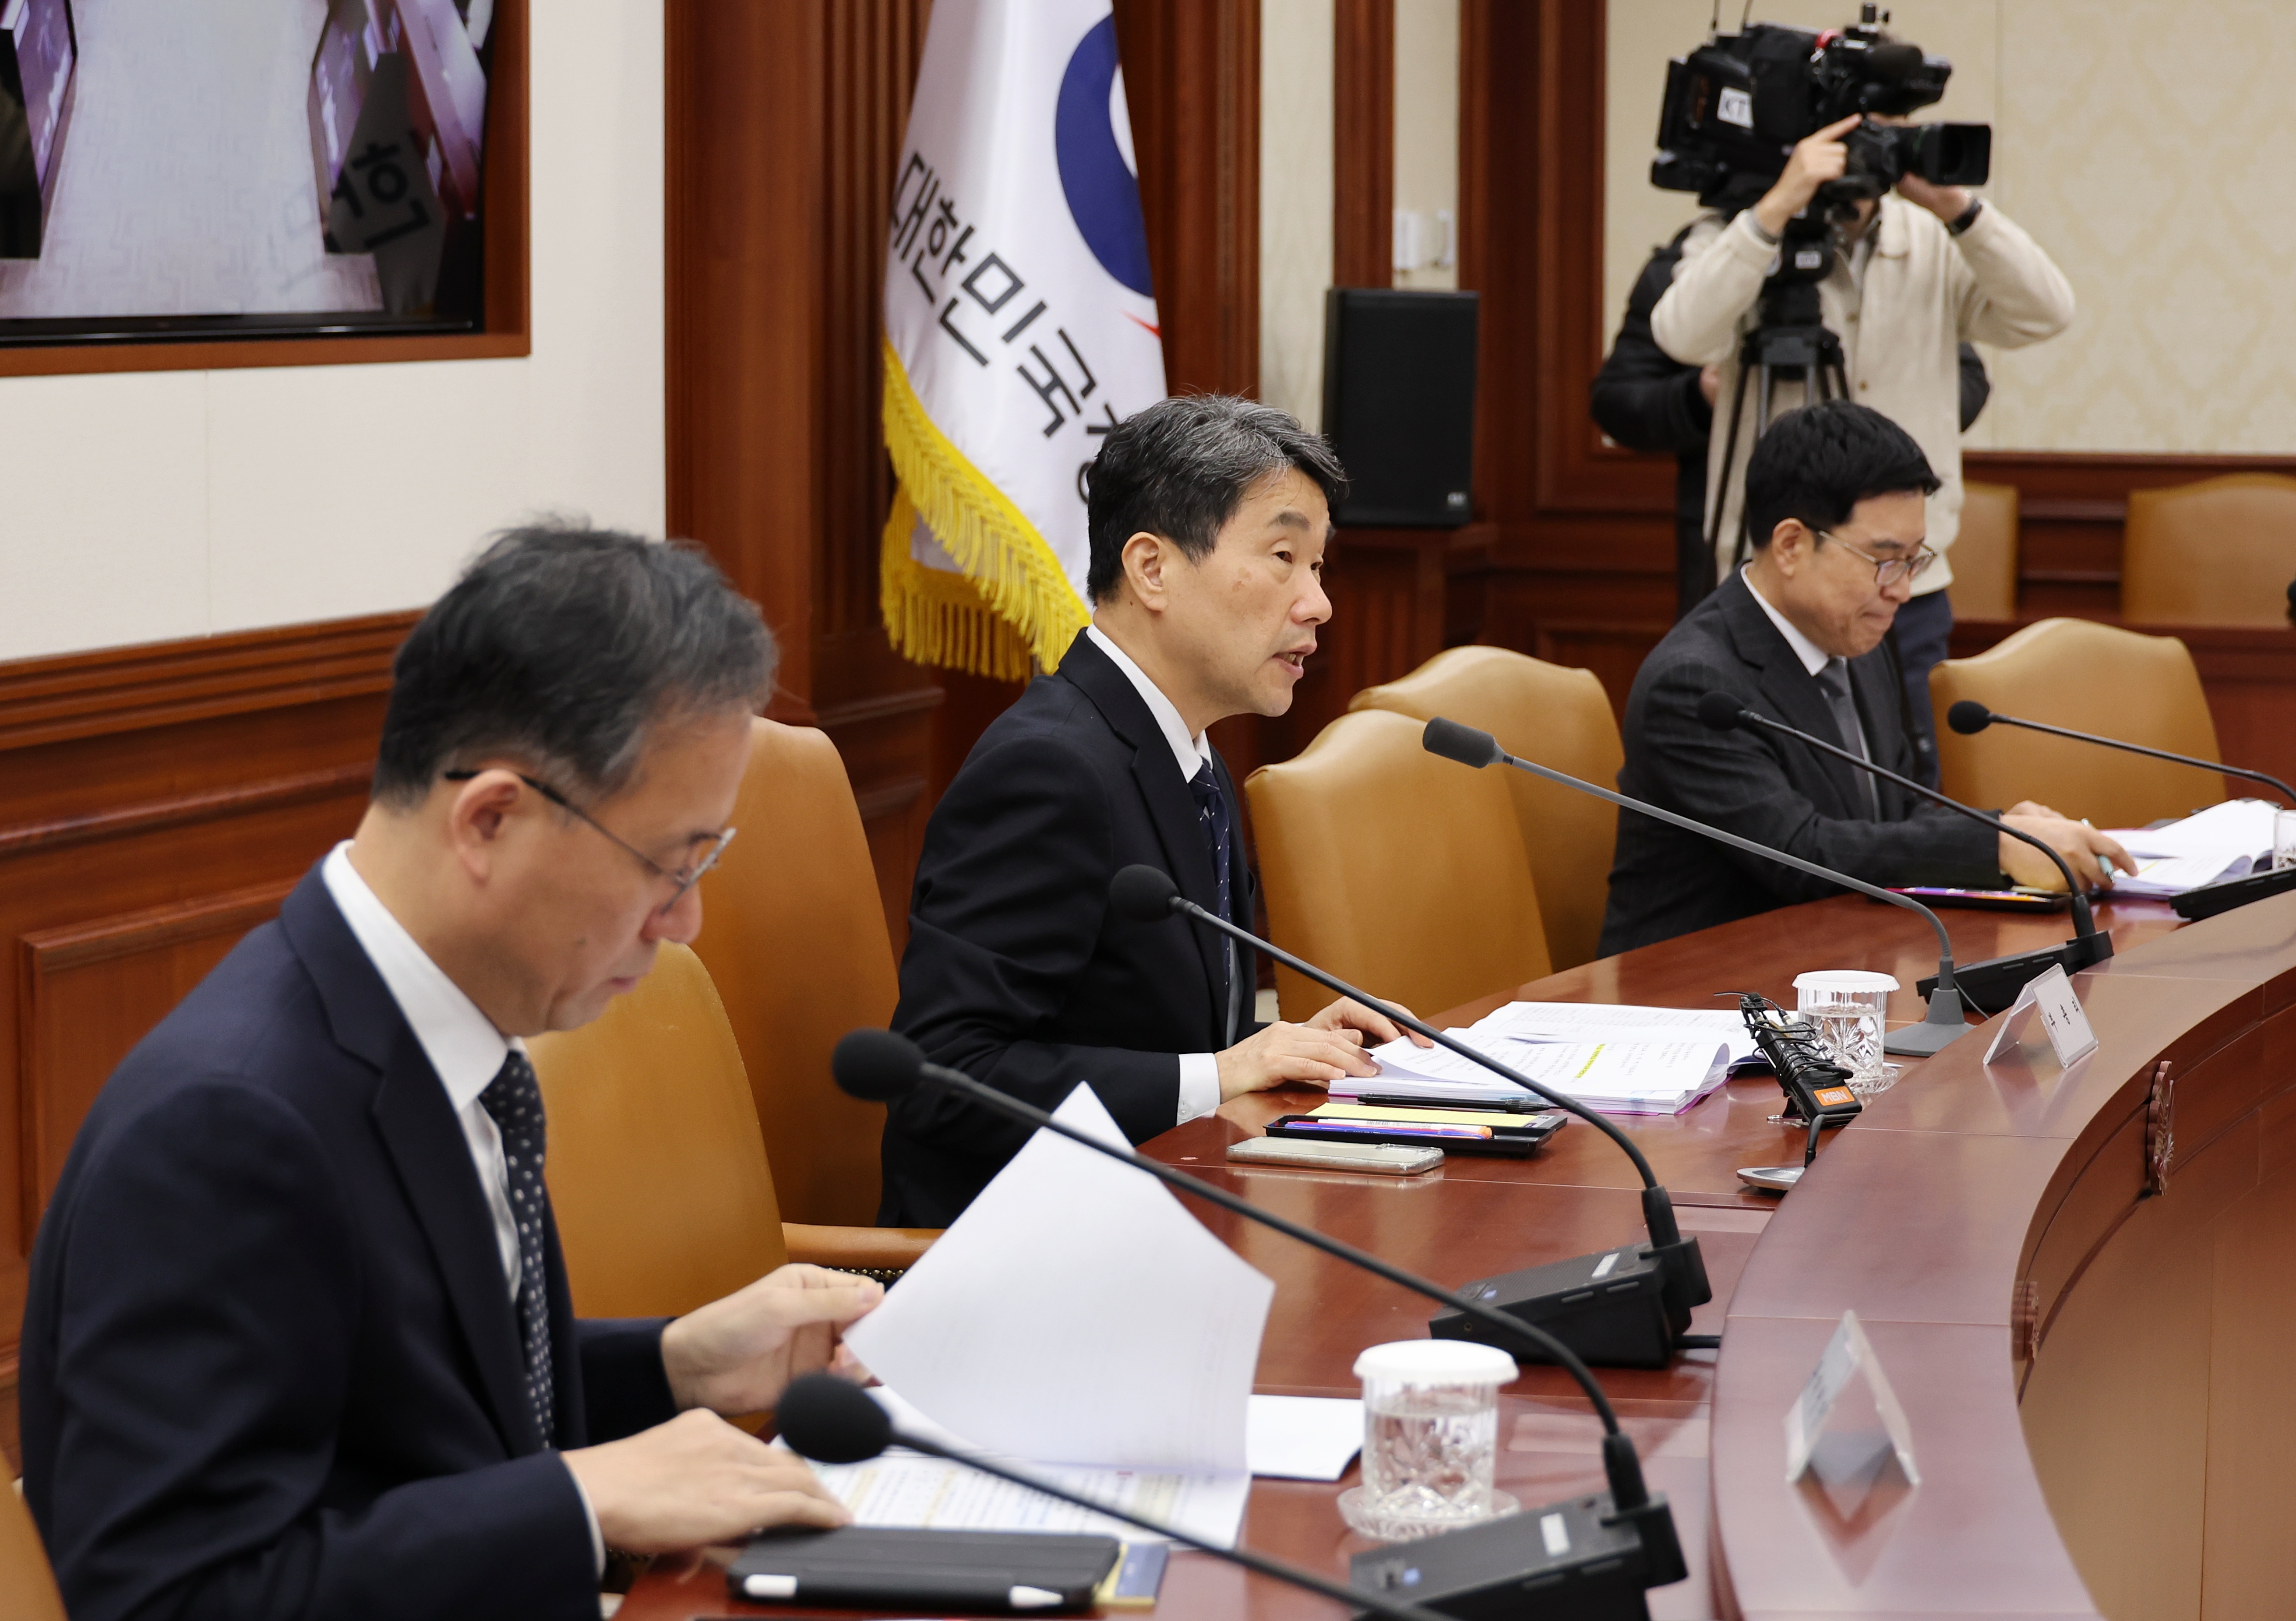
x=1646 y=400
x=1914 y=275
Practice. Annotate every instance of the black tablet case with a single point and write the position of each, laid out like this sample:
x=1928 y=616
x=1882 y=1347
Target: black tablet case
x=875 y=1566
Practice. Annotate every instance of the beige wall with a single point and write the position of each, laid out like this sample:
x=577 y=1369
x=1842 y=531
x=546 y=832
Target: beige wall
x=1295 y=201
x=147 y=506
x=1427 y=129
x=2144 y=146
x=1295 y=174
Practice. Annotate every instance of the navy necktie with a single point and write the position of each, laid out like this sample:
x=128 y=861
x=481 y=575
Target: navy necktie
x=1212 y=816
x=514 y=1100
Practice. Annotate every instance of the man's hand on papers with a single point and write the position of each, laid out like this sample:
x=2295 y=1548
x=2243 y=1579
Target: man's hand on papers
x=737 y=1355
x=2079 y=843
x=1324 y=1049
x=697 y=1480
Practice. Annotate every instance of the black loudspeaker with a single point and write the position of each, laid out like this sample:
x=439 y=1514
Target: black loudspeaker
x=1399 y=405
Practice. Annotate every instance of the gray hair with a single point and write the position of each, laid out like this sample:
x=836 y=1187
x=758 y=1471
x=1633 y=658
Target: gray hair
x=1181 y=467
x=561 y=647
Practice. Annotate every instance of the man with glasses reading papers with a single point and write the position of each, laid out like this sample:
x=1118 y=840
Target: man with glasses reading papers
x=1835 y=499
x=299 y=1340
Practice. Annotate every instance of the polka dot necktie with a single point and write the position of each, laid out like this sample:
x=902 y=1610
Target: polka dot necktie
x=1212 y=816
x=514 y=1099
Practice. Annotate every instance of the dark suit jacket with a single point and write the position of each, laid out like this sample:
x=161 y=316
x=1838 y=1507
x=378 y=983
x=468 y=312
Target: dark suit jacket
x=270 y=1365
x=1016 y=973
x=1770 y=789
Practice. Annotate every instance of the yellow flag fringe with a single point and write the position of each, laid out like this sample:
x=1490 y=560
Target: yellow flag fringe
x=933 y=616
x=1014 y=598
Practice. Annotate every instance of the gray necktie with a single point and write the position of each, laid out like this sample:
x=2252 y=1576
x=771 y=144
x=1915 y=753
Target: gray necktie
x=1835 y=679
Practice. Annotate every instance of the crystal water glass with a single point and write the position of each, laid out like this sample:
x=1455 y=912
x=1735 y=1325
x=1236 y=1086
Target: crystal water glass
x=1848 y=1007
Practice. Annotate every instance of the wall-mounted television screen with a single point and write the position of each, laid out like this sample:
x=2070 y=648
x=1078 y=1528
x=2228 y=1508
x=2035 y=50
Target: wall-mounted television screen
x=241 y=167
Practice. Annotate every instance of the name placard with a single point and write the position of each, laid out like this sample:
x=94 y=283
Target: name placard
x=2051 y=997
x=1849 y=1357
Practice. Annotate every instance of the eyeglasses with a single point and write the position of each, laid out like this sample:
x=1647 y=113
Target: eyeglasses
x=1887 y=570
x=682 y=880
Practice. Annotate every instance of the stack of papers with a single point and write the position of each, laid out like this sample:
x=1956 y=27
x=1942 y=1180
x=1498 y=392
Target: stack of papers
x=1072 y=1277
x=2228 y=841
x=1292 y=1438
x=1633 y=1061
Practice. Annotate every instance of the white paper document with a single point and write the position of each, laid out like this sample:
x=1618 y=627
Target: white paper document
x=1607 y=1021
x=1303 y=1437
x=1618 y=1060
x=2228 y=841
x=1074 y=1318
x=907 y=1489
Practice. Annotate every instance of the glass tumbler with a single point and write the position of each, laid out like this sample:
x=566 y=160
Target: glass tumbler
x=1431 y=1438
x=1847 y=1006
x=2284 y=839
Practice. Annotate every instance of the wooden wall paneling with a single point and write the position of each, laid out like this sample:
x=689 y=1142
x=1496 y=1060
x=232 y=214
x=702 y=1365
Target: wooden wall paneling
x=155 y=803
x=880 y=709
x=784 y=128
x=1192 y=81
x=508 y=330
x=1363 y=143
x=1571 y=531
x=742 y=206
x=72 y=983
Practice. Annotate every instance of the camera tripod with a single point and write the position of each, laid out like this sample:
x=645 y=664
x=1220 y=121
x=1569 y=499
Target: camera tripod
x=1790 y=336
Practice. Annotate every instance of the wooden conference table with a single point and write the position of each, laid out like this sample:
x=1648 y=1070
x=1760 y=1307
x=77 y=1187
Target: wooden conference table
x=2060 y=1340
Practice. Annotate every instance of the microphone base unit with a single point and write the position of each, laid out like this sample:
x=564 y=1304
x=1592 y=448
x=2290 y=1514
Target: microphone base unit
x=1611 y=1309
x=1945 y=1024
x=2209 y=899
x=1991 y=986
x=1574 y=1560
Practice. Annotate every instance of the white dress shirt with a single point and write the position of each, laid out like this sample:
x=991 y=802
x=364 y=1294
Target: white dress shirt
x=464 y=1047
x=1814 y=657
x=1200 y=1087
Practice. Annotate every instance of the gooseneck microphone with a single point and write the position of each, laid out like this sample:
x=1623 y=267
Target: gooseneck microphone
x=1602 y=1325
x=1946 y=1021
x=830 y=1420
x=1992 y=984
x=878 y=1066
x=1969 y=717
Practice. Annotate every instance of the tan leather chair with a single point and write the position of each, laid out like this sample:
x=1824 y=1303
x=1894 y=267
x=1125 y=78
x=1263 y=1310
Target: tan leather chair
x=658 y=1174
x=25 y=1578
x=2220 y=552
x=2094 y=678
x=1399 y=871
x=1984 y=553
x=793 y=935
x=1561 y=719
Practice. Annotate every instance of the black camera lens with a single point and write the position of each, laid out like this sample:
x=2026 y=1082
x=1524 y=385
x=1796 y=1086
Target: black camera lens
x=1954 y=154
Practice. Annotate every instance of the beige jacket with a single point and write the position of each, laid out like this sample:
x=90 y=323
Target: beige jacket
x=1925 y=291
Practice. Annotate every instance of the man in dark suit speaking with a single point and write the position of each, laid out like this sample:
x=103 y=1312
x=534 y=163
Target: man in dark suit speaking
x=1834 y=509
x=1208 y=519
x=299 y=1340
